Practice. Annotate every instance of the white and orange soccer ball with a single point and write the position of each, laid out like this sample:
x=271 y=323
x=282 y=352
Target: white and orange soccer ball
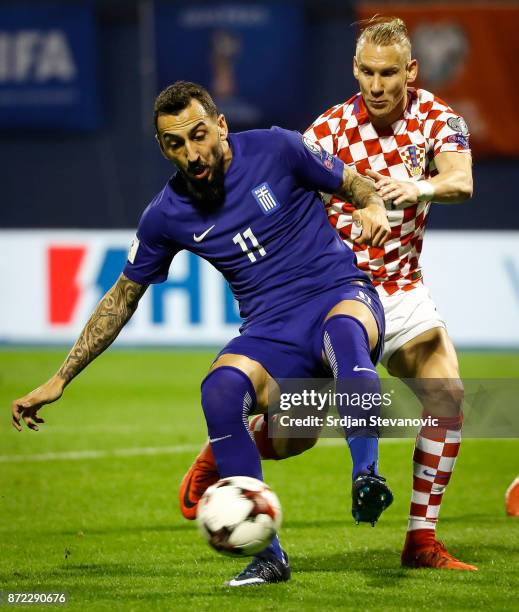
x=239 y=516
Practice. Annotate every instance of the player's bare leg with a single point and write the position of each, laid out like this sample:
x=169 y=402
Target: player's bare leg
x=430 y=356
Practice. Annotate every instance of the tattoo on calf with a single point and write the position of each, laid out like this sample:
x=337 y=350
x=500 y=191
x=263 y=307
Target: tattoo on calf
x=112 y=313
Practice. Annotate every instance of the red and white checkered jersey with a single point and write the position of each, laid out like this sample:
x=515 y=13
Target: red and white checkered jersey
x=405 y=151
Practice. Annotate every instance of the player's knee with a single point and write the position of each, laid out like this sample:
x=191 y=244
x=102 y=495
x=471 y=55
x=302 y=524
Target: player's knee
x=227 y=395
x=442 y=396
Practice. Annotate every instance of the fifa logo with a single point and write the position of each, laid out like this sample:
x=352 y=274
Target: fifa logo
x=35 y=55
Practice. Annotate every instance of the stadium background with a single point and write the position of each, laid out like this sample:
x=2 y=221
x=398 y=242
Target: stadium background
x=77 y=84
x=79 y=163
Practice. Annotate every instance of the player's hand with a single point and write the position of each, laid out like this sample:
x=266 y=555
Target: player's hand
x=389 y=189
x=375 y=226
x=27 y=407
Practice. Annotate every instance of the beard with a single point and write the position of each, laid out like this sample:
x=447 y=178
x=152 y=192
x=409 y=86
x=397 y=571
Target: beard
x=205 y=193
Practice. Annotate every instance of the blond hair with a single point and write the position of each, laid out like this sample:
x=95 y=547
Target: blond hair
x=384 y=31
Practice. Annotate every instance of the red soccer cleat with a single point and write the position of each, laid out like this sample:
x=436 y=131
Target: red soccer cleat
x=512 y=498
x=430 y=553
x=200 y=476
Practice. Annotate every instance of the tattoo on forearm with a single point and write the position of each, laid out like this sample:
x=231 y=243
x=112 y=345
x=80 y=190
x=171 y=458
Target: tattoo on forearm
x=363 y=192
x=359 y=190
x=112 y=313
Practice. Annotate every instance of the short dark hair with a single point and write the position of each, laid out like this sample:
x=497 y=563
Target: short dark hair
x=178 y=96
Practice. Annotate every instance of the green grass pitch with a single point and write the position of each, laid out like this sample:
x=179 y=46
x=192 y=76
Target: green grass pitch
x=88 y=505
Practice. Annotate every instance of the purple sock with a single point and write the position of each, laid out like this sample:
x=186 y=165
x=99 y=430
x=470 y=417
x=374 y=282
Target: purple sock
x=364 y=454
x=346 y=345
x=228 y=397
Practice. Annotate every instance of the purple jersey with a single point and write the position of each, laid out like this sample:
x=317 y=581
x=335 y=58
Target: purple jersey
x=270 y=237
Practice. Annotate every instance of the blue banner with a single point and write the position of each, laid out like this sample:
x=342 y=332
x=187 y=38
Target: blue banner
x=249 y=56
x=48 y=68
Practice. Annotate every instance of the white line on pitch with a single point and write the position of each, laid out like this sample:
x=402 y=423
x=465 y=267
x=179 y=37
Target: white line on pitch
x=137 y=451
x=101 y=454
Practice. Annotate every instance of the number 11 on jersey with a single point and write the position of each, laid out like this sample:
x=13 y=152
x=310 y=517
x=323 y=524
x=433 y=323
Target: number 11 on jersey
x=240 y=239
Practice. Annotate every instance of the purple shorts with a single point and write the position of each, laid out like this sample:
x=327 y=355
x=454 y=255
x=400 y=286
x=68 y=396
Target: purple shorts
x=290 y=344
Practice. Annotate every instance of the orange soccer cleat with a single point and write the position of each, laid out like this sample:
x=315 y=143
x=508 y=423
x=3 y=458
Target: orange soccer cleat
x=200 y=476
x=512 y=498
x=430 y=553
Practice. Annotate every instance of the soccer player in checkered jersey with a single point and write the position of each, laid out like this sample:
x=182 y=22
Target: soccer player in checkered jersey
x=415 y=148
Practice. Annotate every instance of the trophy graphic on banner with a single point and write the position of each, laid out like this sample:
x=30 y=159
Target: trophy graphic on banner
x=225 y=49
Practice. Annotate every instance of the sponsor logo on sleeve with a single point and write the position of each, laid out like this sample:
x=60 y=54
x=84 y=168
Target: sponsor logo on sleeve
x=460 y=139
x=458 y=125
x=328 y=160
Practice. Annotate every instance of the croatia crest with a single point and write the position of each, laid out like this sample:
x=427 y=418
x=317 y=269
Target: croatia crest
x=413 y=158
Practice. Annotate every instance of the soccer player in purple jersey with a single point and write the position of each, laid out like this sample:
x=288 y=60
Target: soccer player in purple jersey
x=248 y=203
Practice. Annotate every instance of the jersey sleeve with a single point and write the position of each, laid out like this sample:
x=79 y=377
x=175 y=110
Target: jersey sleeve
x=151 y=252
x=324 y=129
x=448 y=131
x=310 y=163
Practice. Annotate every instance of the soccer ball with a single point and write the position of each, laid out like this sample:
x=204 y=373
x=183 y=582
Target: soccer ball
x=239 y=515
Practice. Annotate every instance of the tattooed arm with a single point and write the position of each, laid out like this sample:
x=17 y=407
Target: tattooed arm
x=358 y=190
x=111 y=315
x=371 y=213
x=103 y=327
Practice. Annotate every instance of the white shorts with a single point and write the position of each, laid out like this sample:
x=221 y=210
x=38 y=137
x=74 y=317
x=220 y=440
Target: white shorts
x=408 y=314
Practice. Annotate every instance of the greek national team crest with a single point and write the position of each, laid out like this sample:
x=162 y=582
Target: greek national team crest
x=413 y=158
x=265 y=198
